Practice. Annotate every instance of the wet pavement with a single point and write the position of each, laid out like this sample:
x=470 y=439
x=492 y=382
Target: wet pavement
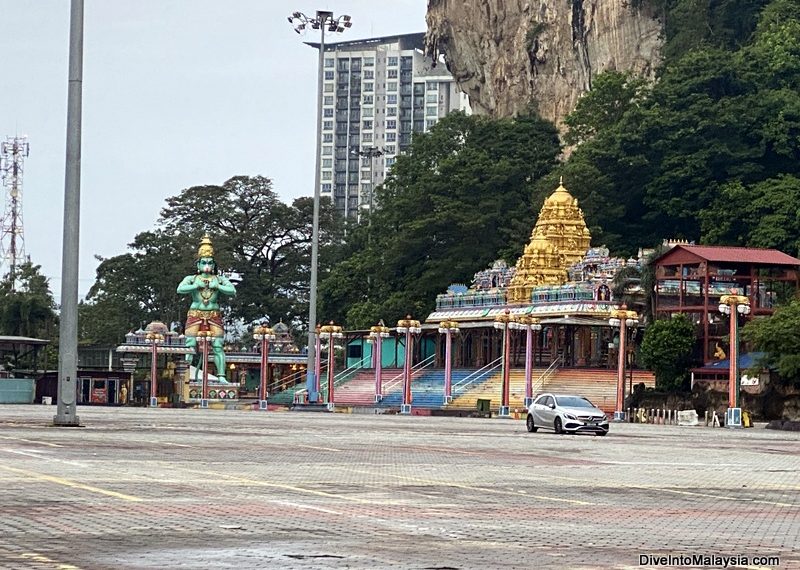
x=169 y=488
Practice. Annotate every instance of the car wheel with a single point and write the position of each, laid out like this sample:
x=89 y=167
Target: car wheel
x=530 y=425
x=601 y=433
x=557 y=426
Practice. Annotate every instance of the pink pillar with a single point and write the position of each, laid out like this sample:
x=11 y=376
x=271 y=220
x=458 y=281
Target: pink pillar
x=318 y=365
x=330 y=369
x=623 y=333
x=205 y=367
x=378 y=366
x=506 y=372
x=733 y=367
x=407 y=371
x=448 y=368
x=528 y=363
x=153 y=373
x=264 y=348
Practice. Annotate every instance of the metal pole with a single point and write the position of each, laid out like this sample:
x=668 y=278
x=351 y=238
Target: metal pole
x=311 y=383
x=371 y=190
x=68 y=327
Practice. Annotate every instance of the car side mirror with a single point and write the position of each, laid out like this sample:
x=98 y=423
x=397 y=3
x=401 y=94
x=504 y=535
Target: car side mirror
x=552 y=406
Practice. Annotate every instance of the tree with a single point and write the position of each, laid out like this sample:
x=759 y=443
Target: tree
x=266 y=242
x=612 y=94
x=723 y=118
x=777 y=336
x=667 y=350
x=27 y=309
x=766 y=215
x=459 y=198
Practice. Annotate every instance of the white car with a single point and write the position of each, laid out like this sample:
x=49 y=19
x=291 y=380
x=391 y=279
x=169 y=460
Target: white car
x=566 y=413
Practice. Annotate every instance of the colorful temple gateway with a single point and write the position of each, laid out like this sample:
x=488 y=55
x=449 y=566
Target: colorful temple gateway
x=559 y=279
x=559 y=239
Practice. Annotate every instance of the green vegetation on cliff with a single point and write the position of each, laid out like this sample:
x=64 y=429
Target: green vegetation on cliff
x=710 y=151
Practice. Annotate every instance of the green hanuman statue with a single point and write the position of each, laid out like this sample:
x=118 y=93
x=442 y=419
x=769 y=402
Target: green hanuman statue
x=204 y=315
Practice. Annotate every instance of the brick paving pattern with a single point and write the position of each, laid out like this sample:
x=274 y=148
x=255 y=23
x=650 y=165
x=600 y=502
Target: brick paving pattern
x=190 y=489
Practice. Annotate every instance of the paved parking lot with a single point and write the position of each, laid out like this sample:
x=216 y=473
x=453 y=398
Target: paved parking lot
x=139 y=488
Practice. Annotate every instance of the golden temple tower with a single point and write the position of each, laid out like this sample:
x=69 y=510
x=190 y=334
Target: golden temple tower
x=559 y=239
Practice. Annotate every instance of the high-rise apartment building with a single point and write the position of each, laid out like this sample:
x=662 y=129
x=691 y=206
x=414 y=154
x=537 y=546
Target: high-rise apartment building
x=376 y=93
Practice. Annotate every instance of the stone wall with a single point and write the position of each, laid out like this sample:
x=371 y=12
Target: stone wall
x=773 y=402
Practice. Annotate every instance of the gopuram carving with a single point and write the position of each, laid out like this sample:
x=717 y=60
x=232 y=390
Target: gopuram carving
x=559 y=239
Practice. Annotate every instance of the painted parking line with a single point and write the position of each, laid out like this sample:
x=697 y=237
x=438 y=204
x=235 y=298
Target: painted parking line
x=36 y=441
x=679 y=491
x=487 y=490
x=318 y=448
x=68 y=483
x=42 y=559
x=258 y=483
x=305 y=507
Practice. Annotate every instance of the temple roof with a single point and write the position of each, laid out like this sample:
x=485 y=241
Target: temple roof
x=559 y=239
x=726 y=254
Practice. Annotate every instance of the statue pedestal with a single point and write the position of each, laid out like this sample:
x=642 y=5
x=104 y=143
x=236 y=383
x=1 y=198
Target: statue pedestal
x=216 y=392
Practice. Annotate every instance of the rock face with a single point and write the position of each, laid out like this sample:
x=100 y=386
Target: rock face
x=507 y=53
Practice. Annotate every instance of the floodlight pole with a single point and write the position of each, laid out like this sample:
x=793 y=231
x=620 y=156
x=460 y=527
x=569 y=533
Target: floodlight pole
x=324 y=19
x=311 y=382
x=66 y=413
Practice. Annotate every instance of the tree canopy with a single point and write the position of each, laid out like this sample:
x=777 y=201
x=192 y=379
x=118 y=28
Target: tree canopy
x=715 y=136
x=777 y=336
x=459 y=198
x=27 y=309
x=667 y=350
x=255 y=235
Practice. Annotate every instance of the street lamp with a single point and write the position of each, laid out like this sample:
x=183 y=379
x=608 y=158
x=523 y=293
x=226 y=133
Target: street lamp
x=263 y=334
x=502 y=323
x=408 y=327
x=322 y=21
x=154 y=339
x=371 y=152
x=622 y=318
x=448 y=328
x=333 y=332
x=734 y=305
x=529 y=324
x=376 y=335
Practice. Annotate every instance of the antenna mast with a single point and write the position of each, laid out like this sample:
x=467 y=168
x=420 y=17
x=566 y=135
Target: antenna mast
x=13 y=152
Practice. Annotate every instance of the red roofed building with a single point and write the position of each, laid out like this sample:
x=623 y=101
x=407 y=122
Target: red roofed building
x=690 y=279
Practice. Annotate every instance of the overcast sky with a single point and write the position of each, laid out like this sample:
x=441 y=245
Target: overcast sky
x=176 y=93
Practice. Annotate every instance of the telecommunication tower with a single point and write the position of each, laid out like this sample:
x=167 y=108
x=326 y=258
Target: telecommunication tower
x=13 y=152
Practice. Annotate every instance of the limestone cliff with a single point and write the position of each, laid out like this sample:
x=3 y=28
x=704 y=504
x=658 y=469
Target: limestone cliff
x=506 y=53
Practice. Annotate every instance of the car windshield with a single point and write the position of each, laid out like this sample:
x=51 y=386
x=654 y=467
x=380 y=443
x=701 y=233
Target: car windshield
x=574 y=402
